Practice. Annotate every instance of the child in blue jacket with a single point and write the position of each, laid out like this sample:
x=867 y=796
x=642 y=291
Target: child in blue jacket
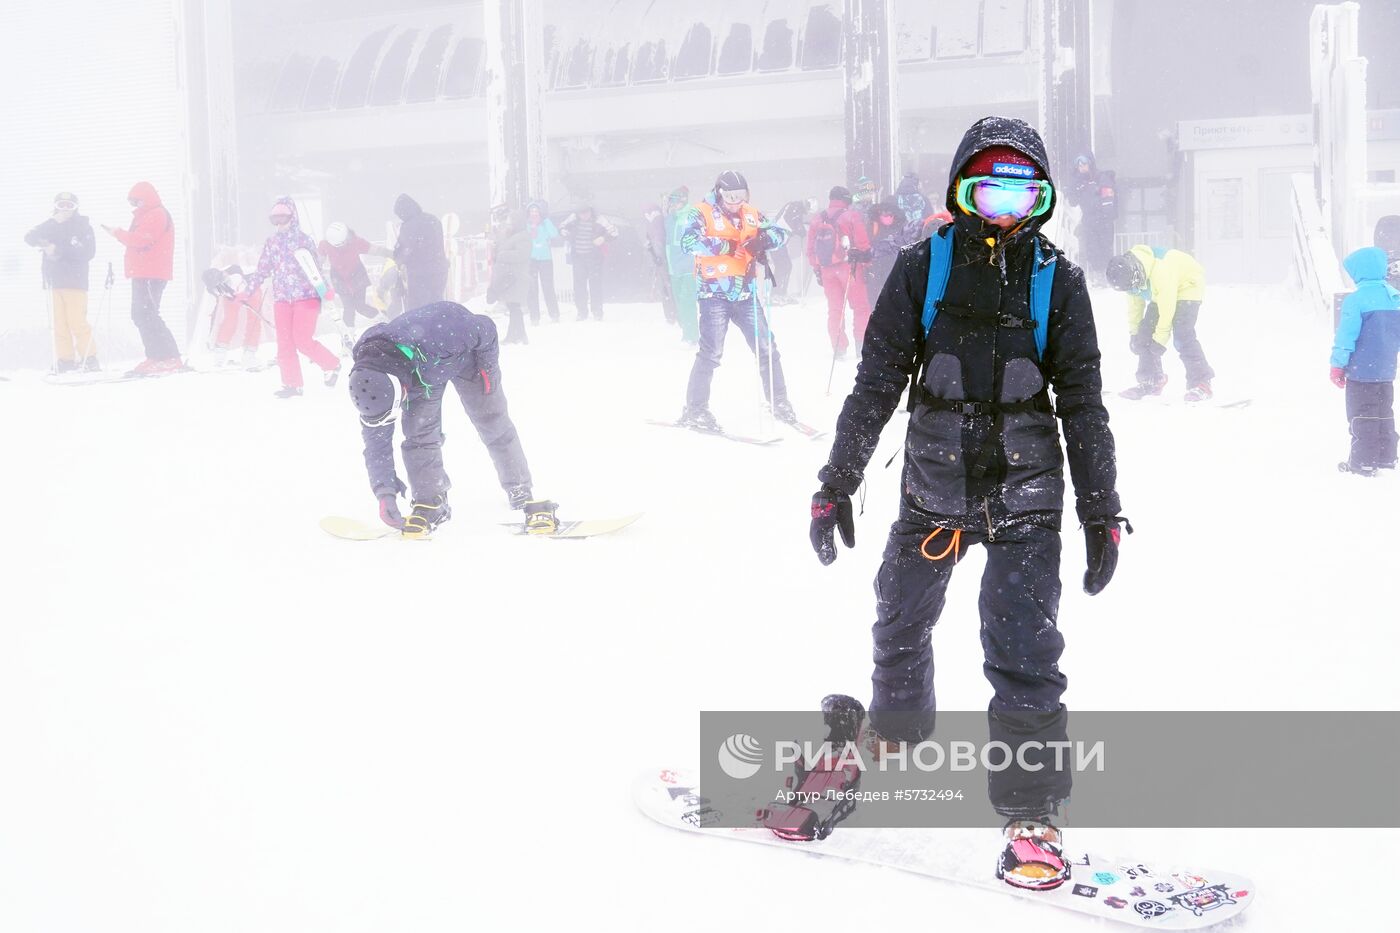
x=1363 y=362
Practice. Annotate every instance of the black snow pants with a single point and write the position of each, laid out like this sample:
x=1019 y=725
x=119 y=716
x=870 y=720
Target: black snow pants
x=542 y=279
x=1371 y=415
x=156 y=338
x=588 y=285
x=422 y=443
x=1188 y=347
x=1021 y=644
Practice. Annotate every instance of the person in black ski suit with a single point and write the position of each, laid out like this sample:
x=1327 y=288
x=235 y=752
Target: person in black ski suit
x=401 y=371
x=420 y=254
x=982 y=465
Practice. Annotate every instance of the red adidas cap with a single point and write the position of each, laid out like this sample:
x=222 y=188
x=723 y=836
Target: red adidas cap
x=1002 y=162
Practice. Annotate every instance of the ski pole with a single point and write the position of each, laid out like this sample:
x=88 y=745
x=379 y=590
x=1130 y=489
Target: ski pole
x=831 y=374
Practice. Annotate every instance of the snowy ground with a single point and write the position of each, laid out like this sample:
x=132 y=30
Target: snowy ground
x=216 y=718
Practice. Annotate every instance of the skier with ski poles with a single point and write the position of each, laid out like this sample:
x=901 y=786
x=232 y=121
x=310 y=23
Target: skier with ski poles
x=983 y=319
x=726 y=234
x=401 y=371
x=838 y=250
x=68 y=244
x=297 y=301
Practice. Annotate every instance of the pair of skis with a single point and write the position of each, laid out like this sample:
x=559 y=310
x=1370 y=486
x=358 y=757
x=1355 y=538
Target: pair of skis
x=806 y=430
x=352 y=529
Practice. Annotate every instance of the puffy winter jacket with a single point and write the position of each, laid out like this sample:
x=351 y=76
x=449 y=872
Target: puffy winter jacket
x=279 y=262
x=420 y=249
x=702 y=237
x=1368 y=334
x=1173 y=277
x=74 y=246
x=834 y=232
x=978 y=467
x=150 y=243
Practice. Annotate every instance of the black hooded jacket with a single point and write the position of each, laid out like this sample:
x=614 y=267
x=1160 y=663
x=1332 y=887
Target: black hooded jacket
x=74 y=246
x=978 y=470
x=420 y=247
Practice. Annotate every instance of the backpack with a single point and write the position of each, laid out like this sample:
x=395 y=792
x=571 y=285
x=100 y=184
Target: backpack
x=941 y=264
x=825 y=239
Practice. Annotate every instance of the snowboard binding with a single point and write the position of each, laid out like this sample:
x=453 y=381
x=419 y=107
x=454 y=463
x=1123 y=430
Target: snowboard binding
x=819 y=793
x=1032 y=858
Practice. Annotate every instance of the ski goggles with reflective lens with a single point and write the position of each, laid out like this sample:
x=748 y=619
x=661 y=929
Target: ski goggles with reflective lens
x=392 y=415
x=65 y=205
x=992 y=197
x=735 y=196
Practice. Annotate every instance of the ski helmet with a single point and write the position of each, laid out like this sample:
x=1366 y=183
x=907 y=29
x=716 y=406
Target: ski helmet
x=377 y=396
x=731 y=181
x=1126 y=273
x=337 y=233
x=839 y=193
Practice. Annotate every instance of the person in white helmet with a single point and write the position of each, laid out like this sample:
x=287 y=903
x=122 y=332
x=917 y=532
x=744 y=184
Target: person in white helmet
x=343 y=248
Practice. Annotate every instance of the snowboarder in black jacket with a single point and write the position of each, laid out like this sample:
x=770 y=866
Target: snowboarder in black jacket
x=420 y=254
x=401 y=371
x=982 y=465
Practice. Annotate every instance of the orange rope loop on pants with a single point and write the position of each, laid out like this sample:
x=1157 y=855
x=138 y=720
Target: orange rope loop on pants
x=952 y=547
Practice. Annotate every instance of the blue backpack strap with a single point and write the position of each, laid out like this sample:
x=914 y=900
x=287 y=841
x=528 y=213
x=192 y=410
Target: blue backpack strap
x=1042 y=282
x=940 y=264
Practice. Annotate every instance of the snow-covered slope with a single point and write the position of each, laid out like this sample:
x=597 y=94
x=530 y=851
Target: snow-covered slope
x=217 y=718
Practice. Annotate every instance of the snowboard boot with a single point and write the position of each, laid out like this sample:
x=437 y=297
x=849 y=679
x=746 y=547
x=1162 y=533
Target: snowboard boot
x=1033 y=858
x=1144 y=389
x=425 y=517
x=288 y=392
x=540 y=517
x=90 y=365
x=1199 y=393
x=816 y=808
x=517 y=496
x=700 y=419
x=64 y=366
x=782 y=410
x=1356 y=469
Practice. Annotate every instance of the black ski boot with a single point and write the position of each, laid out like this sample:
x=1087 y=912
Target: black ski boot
x=540 y=517
x=64 y=366
x=1144 y=389
x=782 y=410
x=813 y=813
x=700 y=419
x=90 y=365
x=426 y=516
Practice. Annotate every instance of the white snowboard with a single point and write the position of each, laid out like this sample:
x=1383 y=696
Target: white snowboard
x=1129 y=891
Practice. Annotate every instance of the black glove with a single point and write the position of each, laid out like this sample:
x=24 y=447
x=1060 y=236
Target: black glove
x=859 y=255
x=389 y=512
x=1101 y=547
x=817 y=274
x=831 y=509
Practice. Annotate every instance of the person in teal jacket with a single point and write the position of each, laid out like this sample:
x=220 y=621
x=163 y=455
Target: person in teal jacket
x=1363 y=362
x=543 y=236
x=681 y=266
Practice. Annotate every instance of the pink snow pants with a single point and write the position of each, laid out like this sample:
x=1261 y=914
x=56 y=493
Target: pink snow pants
x=296 y=326
x=840 y=284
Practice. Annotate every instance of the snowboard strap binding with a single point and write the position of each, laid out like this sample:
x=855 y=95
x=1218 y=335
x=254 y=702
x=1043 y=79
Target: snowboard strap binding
x=820 y=794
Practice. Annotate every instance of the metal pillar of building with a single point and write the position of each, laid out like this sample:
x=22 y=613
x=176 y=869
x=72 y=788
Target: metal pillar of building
x=1339 y=123
x=1067 y=98
x=872 y=127
x=514 y=78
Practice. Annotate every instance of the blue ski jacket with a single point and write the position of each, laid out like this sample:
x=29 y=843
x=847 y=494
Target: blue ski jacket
x=1368 y=334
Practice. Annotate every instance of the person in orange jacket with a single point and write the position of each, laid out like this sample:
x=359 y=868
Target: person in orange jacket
x=149 y=264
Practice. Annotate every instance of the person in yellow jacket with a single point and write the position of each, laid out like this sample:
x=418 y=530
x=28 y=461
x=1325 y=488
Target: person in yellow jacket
x=1165 y=289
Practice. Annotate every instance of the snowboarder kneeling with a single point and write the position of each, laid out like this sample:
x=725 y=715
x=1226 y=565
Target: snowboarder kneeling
x=401 y=371
x=1165 y=290
x=985 y=317
x=1363 y=362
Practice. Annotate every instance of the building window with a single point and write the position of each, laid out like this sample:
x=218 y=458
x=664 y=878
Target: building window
x=577 y=66
x=1003 y=27
x=736 y=55
x=320 y=88
x=615 y=66
x=693 y=59
x=1225 y=209
x=389 y=76
x=652 y=64
x=955 y=27
x=291 y=83
x=821 y=40
x=460 y=81
x=427 y=73
x=354 y=84
x=913 y=31
x=777 y=47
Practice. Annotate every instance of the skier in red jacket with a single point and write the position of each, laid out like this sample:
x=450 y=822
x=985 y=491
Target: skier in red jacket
x=149 y=264
x=838 y=250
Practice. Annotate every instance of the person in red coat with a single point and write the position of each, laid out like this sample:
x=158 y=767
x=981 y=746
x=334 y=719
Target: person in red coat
x=838 y=250
x=149 y=264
